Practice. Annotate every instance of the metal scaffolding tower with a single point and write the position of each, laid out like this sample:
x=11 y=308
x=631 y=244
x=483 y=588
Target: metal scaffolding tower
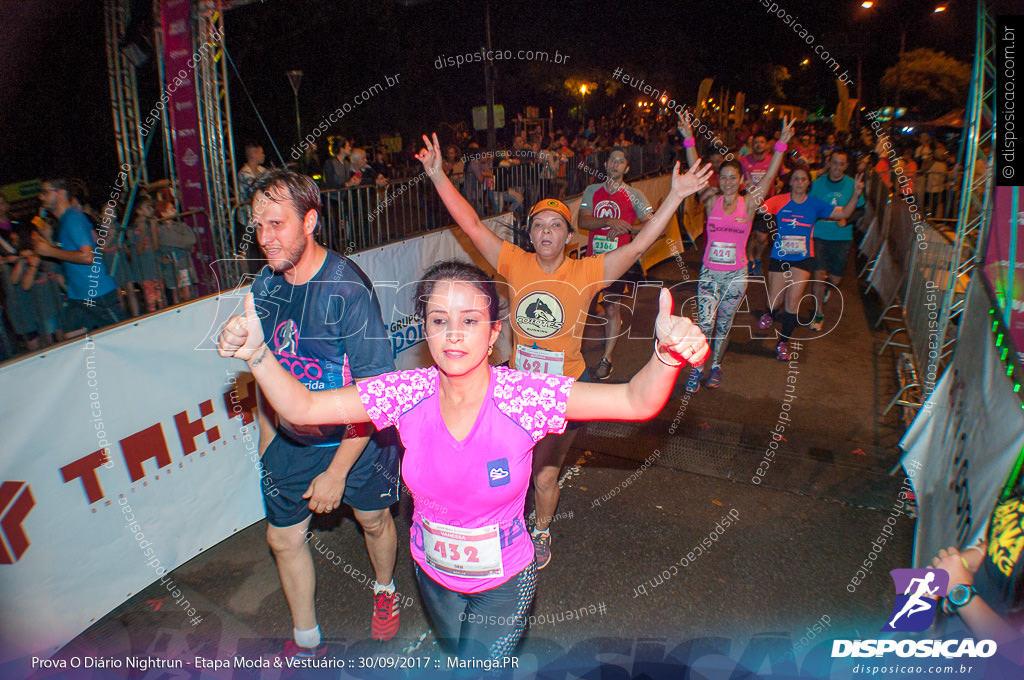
x=124 y=93
x=214 y=112
x=978 y=183
x=214 y=105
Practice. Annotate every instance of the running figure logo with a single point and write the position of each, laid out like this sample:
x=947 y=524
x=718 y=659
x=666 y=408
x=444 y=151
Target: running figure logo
x=286 y=338
x=921 y=590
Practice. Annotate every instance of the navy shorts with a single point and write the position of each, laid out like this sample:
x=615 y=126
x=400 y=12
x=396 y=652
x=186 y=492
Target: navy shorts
x=831 y=256
x=806 y=264
x=289 y=467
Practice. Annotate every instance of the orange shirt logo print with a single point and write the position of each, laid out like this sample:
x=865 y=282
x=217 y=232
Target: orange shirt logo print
x=540 y=315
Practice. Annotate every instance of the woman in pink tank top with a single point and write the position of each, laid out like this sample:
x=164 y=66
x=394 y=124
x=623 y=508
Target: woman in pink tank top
x=469 y=430
x=723 y=279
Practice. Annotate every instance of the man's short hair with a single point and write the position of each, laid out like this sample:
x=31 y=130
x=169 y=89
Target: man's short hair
x=74 y=187
x=840 y=151
x=301 y=190
x=59 y=183
x=339 y=144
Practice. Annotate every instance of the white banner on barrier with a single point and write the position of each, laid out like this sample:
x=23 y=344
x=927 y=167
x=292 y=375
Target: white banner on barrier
x=884 y=278
x=965 y=441
x=83 y=531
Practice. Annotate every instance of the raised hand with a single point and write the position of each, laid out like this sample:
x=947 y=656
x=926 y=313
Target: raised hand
x=679 y=335
x=242 y=335
x=858 y=183
x=787 y=130
x=430 y=155
x=693 y=181
x=684 y=125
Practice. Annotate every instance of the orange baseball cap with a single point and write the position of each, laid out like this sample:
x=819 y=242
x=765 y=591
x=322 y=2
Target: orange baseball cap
x=552 y=204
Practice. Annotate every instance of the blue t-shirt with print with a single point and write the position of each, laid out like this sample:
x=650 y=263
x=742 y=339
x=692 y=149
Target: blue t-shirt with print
x=326 y=332
x=795 y=223
x=84 y=281
x=835 y=194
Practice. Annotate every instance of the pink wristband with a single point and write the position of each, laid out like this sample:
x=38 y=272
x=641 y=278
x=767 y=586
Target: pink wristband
x=781 y=147
x=689 y=143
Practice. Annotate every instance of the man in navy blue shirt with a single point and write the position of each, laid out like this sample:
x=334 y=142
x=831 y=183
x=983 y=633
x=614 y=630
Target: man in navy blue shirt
x=92 y=292
x=322 y=322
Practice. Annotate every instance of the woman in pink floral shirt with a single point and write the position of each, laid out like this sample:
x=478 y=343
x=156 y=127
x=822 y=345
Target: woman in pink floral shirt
x=469 y=430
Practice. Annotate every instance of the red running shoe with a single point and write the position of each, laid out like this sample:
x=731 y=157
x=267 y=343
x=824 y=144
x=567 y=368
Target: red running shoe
x=384 y=624
x=294 y=651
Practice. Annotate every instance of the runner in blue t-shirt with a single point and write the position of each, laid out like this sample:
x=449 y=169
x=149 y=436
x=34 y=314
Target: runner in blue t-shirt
x=792 y=258
x=92 y=293
x=322 y=322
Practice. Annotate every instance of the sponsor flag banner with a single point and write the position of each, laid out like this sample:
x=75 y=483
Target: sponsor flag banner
x=965 y=440
x=1005 y=278
x=176 y=18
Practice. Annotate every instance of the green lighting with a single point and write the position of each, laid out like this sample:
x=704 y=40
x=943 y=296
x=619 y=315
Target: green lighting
x=1002 y=357
x=1016 y=387
x=999 y=340
x=1009 y=370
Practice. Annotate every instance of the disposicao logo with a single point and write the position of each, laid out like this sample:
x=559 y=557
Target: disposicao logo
x=918 y=592
x=917 y=595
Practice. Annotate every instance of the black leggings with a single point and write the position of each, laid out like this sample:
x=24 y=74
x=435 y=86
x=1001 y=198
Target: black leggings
x=789 y=323
x=485 y=625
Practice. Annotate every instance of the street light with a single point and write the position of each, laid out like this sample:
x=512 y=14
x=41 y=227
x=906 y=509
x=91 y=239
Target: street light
x=294 y=77
x=903 y=44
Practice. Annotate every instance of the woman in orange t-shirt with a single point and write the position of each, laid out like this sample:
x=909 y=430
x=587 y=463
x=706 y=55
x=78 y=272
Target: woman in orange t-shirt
x=550 y=295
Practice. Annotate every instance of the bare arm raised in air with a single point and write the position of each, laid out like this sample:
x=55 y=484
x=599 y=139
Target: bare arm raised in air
x=485 y=240
x=755 y=196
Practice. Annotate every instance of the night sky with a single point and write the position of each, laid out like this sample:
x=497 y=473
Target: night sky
x=55 y=116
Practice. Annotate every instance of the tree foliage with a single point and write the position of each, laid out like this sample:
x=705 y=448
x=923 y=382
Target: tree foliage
x=928 y=77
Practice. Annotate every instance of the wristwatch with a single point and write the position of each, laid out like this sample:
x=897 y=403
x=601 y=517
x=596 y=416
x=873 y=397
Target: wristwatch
x=958 y=597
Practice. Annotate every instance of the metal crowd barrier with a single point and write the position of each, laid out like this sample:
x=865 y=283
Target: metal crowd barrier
x=914 y=256
x=923 y=313
x=359 y=218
